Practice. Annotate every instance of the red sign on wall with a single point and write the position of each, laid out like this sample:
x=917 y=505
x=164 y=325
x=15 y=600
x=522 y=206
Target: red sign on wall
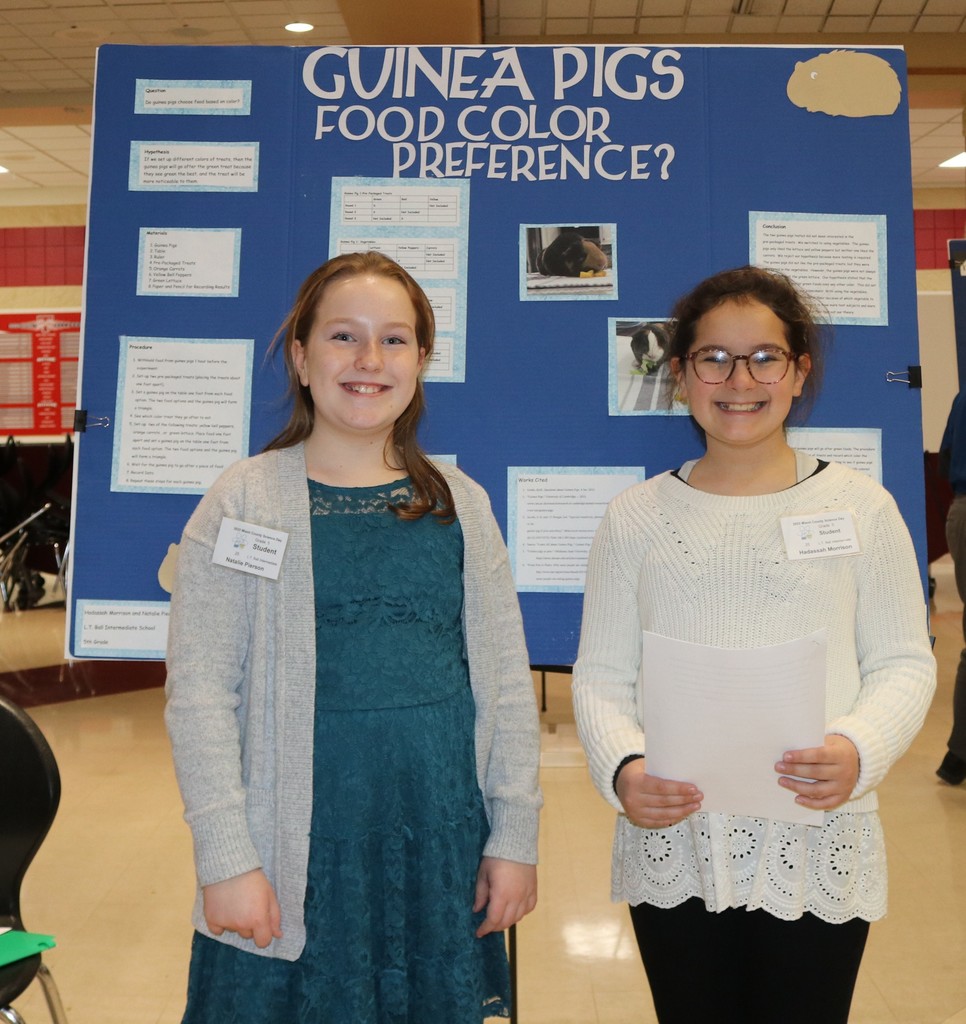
x=38 y=372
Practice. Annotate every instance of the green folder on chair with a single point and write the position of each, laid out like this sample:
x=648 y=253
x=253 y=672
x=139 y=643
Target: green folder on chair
x=15 y=945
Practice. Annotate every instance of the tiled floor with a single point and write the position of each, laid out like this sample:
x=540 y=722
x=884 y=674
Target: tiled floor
x=114 y=883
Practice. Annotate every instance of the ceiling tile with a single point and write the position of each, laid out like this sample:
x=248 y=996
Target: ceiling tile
x=749 y=23
x=521 y=8
x=890 y=7
x=213 y=24
x=613 y=26
x=259 y=20
x=212 y=9
x=260 y=7
x=926 y=119
x=12 y=145
x=944 y=7
x=34 y=63
x=519 y=26
x=11 y=181
x=616 y=8
x=61 y=177
x=25 y=19
x=807 y=7
x=145 y=11
x=709 y=24
x=854 y=7
x=566 y=26
x=665 y=27
x=801 y=24
x=568 y=9
x=949 y=23
x=45 y=132
x=663 y=8
x=896 y=25
x=15 y=41
x=835 y=25
x=698 y=8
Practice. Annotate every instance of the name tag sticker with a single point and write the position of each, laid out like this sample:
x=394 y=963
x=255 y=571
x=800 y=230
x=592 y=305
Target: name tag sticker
x=820 y=535
x=250 y=548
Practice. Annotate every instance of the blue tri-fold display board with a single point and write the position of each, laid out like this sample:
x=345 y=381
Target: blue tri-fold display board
x=223 y=175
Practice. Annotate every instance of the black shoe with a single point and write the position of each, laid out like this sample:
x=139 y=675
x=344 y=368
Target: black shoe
x=952 y=770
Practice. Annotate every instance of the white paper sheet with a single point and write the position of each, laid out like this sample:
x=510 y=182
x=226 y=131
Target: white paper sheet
x=721 y=718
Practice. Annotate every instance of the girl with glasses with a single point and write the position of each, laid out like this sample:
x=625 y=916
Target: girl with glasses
x=741 y=918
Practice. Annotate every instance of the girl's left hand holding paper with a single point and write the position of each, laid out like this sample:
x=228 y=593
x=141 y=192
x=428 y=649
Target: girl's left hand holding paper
x=825 y=776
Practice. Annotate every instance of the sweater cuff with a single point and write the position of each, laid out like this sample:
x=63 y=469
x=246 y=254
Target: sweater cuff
x=873 y=765
x=223 y=847
x=513 y=833
x=617 y=770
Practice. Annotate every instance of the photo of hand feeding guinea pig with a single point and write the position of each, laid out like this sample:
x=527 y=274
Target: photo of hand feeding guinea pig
x=639 y=376
x=563 y=261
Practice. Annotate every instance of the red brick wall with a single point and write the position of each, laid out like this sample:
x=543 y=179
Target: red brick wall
x=41 y=256
x=933 y=228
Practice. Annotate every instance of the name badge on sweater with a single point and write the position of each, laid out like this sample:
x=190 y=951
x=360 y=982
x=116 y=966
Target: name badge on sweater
x=250 y=548
x=820 y=535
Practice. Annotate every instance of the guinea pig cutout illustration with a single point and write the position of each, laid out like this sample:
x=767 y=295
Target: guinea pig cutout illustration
x=845 y=83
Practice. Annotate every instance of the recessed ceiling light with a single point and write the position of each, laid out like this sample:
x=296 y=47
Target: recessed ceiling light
x=299 y=26
x=955 y=161
x=4 y=170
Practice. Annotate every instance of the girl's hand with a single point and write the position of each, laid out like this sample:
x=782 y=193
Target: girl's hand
x=245 y=904
x=832 y=772
x=507 y=889
x=650 y=802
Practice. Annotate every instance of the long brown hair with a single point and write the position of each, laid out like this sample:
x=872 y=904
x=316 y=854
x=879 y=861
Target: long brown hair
x=431 y=493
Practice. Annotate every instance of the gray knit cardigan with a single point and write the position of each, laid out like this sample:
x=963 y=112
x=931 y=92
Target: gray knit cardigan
x=241 y=688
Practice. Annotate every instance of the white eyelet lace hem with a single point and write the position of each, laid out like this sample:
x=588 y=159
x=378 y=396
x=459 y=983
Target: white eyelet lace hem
x=836 y=872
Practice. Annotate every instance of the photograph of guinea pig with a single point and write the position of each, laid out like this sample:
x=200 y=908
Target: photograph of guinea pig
x=563 y=261
x=649 y=346
x=639 y=376
x=570 y=254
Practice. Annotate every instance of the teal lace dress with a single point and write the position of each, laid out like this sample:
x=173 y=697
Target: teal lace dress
x=398 y=825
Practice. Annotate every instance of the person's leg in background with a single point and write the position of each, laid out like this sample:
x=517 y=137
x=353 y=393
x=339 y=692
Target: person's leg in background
x=953 y=767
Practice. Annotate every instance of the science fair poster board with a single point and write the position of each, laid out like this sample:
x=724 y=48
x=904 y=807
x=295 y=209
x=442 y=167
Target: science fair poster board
x=552 y=200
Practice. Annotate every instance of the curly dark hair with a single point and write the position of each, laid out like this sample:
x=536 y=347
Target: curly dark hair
x=805 y=329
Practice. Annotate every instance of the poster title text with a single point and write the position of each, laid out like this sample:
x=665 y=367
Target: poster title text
x=498 y=141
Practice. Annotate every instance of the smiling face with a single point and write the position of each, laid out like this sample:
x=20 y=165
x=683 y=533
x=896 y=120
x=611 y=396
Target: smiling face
x=361 y=359
x=740 y=412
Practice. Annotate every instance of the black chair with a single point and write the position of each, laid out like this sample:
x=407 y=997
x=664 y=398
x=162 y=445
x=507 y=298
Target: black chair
x=29 y=796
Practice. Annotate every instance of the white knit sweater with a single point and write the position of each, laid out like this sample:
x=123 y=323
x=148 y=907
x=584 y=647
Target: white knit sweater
x=712 y=569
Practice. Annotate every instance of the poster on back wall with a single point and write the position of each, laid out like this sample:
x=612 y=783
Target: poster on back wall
x=38 y=373
x=553 y=201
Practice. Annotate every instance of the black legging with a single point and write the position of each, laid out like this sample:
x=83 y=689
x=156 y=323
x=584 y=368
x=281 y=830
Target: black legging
x=741 y=967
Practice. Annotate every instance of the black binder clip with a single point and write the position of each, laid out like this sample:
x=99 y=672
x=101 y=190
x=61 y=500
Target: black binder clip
x=912 y=375
x=82 y=421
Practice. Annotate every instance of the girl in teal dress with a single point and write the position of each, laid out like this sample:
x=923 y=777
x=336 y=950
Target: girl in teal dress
x=356 y=746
